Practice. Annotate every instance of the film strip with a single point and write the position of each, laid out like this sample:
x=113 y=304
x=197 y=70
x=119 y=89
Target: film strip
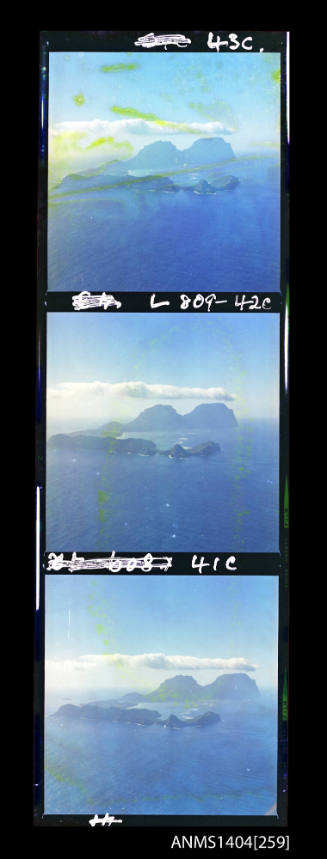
x=161 y=622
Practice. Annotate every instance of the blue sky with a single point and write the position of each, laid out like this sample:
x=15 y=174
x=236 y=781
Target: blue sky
x=109 y=105
x=133 y=632
x=92 y=361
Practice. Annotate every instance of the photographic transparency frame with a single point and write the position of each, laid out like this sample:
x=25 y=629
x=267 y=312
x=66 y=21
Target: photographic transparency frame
x=116 y=296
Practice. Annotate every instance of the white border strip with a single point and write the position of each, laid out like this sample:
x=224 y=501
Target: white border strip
x=288 y=86
x=37 y=583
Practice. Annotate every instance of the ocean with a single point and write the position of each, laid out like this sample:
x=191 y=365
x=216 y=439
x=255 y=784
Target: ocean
x=227 y=502
x=227 y=768
x=137 y=240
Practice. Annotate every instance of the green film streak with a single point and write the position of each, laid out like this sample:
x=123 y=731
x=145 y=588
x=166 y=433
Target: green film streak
x=119 y=67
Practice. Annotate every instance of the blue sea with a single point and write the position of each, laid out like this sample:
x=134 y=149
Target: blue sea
x=227 y=768
x=228 y=502
x=138 y=240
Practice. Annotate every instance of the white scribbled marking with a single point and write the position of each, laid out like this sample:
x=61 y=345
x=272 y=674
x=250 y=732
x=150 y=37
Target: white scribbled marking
x=233 y=38
x=85 y=300
x=153 y=305
x=152 y=41
x=231 y=560
x=145 y=564
x=199 y=565
x=107 y=820
x=199 y=300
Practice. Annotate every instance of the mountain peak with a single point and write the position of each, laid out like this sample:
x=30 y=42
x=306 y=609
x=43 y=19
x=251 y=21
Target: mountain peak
x=156 y=417
x=208 y=150
x=233 y=686
x=186 y=679
x=210 y=143
x=238 y=687
x=209 y=415
x=163 y=155
x=179 y=687
x=160 y=146
x=206 y=416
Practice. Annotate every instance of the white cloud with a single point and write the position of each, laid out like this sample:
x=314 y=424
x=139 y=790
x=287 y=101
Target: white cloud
x=172 y=662
x=91 y=390
x=136 y=671
x=121 y=129
x=98 y=662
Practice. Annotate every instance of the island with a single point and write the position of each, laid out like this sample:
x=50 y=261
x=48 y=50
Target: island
x=135 y=716
x=153 y=182
x=207 y=417
x=224 y=183
x=208 y=718
x=180 y=452
x=154 y=165
x=183 y=689
x=163 y=155
x=109 y=714
x=140 y=446
x=236 y=686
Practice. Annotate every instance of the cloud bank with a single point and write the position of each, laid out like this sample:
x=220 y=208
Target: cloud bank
x=120 y=128
x=172 y=662
x=90 y=390
x=97 y=665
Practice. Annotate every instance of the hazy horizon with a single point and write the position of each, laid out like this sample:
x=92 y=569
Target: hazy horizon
x=103 y=368
x=86 y=424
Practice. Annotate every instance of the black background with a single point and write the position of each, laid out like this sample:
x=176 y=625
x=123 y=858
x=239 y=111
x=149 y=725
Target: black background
x=158 y=840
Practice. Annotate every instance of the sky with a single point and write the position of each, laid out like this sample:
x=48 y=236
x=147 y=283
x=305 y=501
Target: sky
x=134 y=632
x=107 y=106
x=112 y=367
